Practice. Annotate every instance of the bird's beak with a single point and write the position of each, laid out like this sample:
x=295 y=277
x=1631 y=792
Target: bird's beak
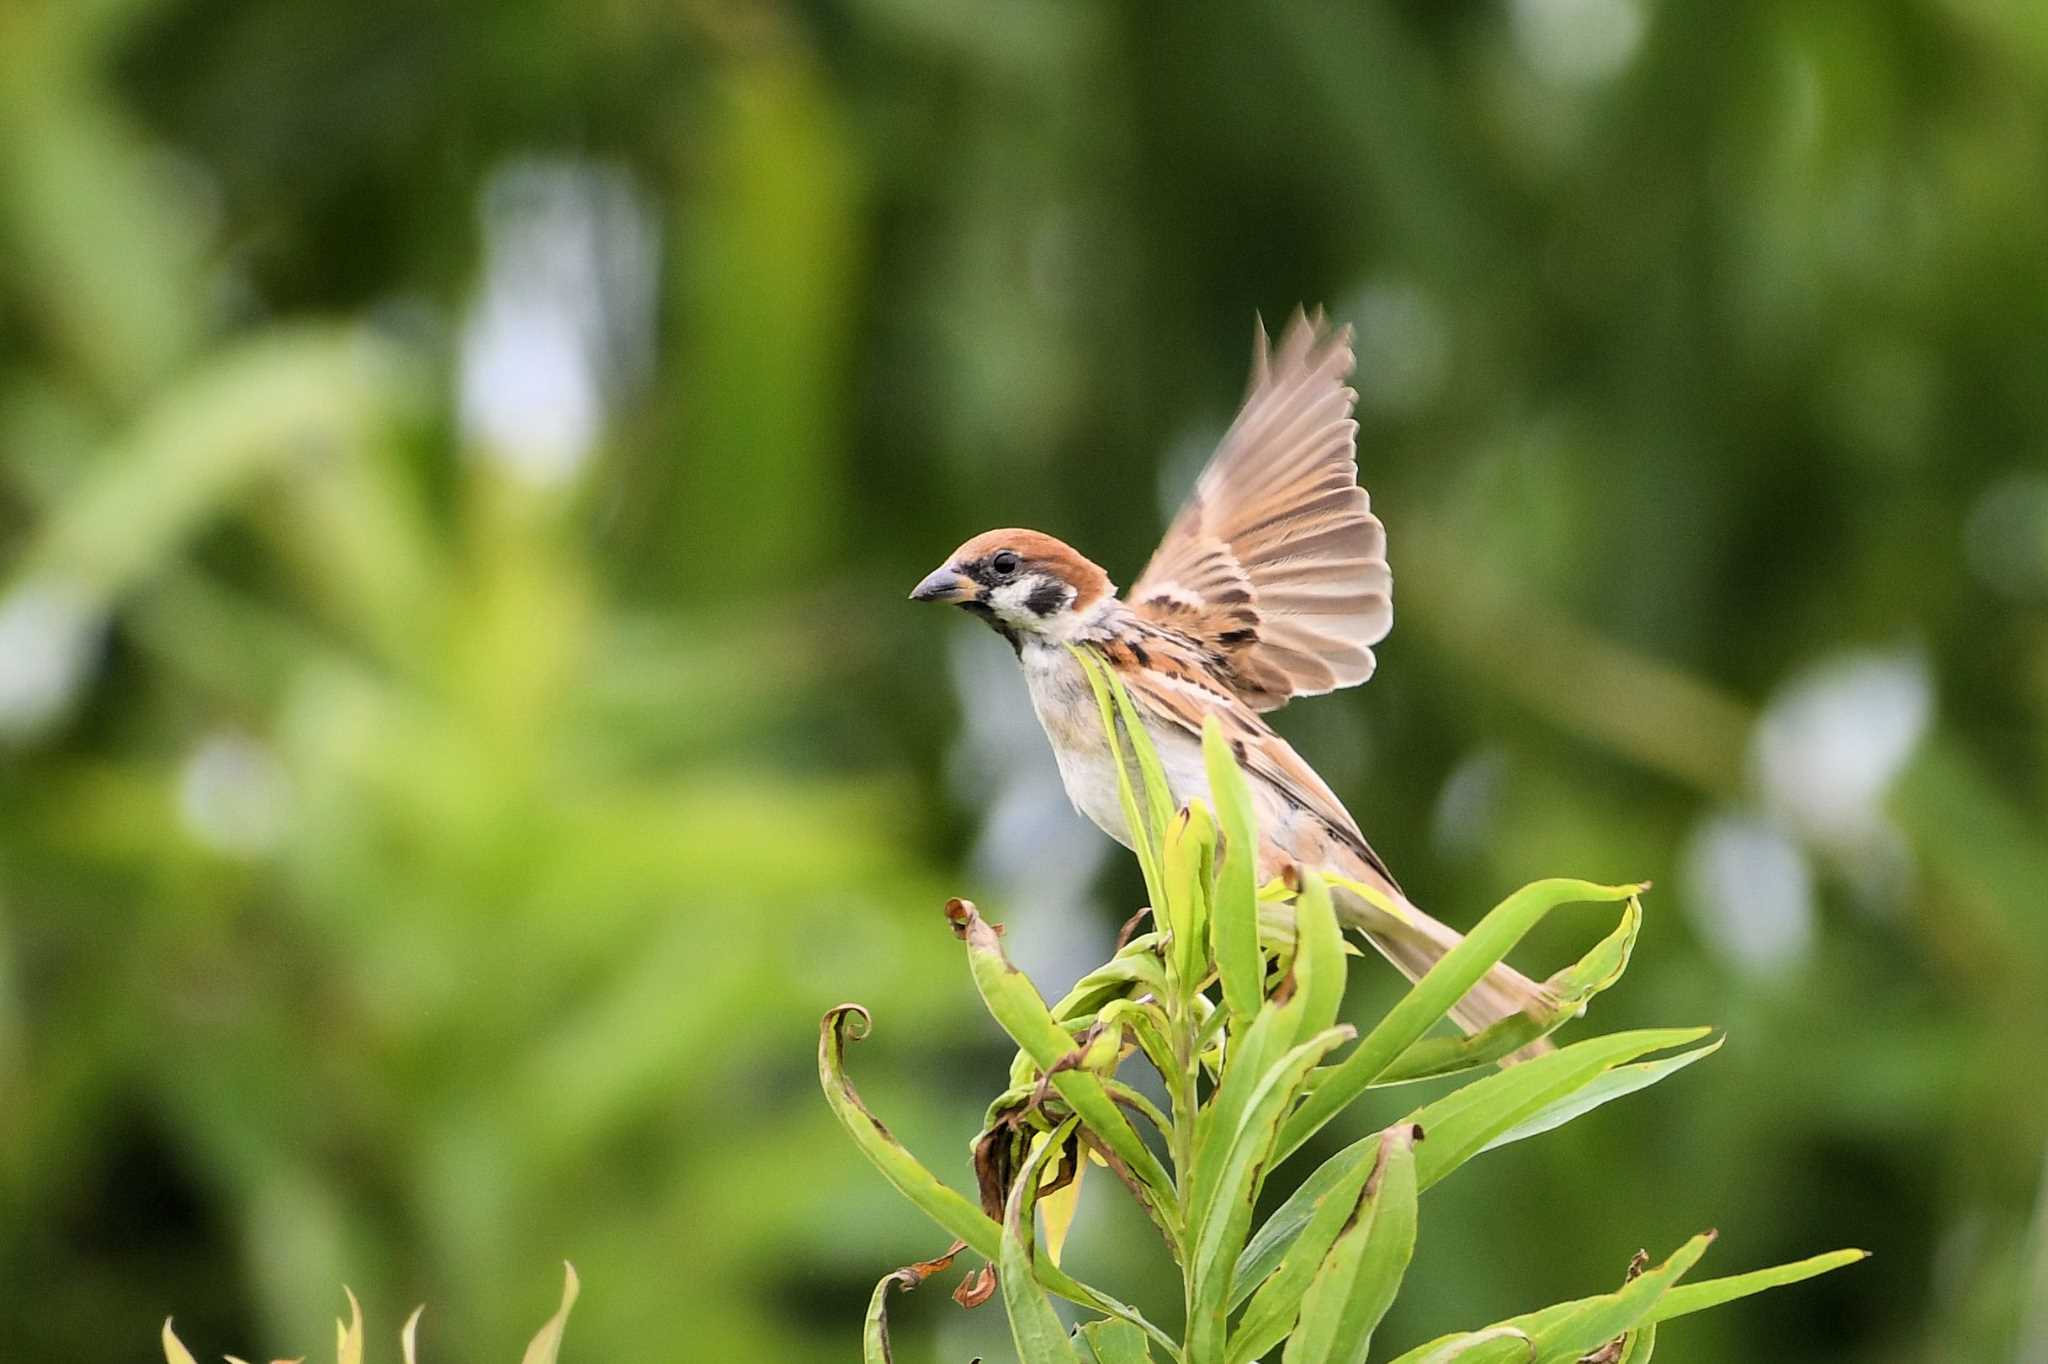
x=943 y=585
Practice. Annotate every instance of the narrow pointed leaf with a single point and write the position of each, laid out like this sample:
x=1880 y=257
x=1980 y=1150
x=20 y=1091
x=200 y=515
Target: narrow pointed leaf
x=1698 y=1297
x=1460 y=1125
x=1676 y=1301
x=1319 y=969
x=1230 y=1167
x=1277 y=1302
x=1466 y=1347
x=1582 y=1327
x=1568 y=992
x=1432 y=996
x=1234 y=918
x=547 y=1342
x=1603 y=1089
x=1143 y=844
x=1159 y=800
x=1190 y=845
x=1363 y=1269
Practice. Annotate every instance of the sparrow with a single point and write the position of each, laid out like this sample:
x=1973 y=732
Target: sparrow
x=1272 y=583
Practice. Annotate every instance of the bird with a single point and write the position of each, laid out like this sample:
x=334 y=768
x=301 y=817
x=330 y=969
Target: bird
x=1271 y=583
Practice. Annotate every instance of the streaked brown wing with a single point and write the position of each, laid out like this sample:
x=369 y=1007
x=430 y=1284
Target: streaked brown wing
x=1181 y=692
x=1276 y=561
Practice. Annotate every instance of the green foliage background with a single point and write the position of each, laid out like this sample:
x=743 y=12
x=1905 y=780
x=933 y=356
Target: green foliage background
x=428 y=840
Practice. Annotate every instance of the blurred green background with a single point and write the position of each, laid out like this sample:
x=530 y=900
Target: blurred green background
x=460 y=725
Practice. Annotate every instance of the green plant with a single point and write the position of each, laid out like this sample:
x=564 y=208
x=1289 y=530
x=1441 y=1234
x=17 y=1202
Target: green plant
x=1233 y=997
x=348 y=1336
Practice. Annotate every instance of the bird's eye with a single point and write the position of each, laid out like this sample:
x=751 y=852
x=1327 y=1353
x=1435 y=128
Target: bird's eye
x=1004 y=563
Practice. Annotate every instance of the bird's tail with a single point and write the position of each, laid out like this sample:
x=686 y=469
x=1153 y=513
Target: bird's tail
x=1414 y=942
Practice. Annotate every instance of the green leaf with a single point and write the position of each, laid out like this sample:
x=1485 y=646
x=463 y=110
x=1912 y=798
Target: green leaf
x=1363 y=1269
x=1563 y=1333
x=1190 y=844
x=1277 y=1302
x=1136 y=969
x=874 y=1336
x=1460 y=1125
x=1566 y=1332
x=1159 y=801
x=1016 y=1005
x=1134 y=745
x=1602 y=1089
x=1432 y=997
x=1698 y=1297
x=1568 y=991
x=1147 y=1024
x=1036 y=1328
x=1671 y=1301
x=1465 y=1346
x=1319 y=969
x=1143 y=842
x=1231 y=1161
x=1116 y=1342
x=1234 y=918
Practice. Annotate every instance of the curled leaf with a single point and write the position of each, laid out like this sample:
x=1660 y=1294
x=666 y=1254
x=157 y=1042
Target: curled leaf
x=977 y=1288
x=875 y=1334
x=851 y=1022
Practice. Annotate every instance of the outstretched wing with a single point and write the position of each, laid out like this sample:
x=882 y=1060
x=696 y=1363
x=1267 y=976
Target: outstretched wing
x=1276 y=561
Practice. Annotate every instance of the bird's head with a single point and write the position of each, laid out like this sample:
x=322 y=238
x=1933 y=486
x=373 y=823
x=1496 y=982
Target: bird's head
x=1021 y=582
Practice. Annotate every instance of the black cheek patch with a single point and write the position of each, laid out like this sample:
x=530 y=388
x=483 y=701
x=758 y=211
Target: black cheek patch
x=1046 y=598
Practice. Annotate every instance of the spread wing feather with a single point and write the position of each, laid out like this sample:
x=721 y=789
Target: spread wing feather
x=1276 y=561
